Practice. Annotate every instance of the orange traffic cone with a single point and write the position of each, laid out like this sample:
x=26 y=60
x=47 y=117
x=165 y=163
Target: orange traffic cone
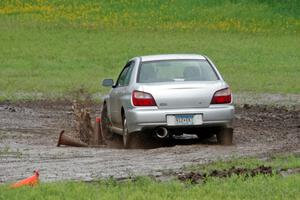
x=98 y=139
x=67 y=140
x=31 y=181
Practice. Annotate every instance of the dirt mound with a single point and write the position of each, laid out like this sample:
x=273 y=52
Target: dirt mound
x=197 y=177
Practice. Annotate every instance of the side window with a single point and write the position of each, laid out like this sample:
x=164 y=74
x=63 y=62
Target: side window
x=124 y=77
x=128 y=75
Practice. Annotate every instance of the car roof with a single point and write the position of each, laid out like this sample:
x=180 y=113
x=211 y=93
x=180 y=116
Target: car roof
x=171 y=57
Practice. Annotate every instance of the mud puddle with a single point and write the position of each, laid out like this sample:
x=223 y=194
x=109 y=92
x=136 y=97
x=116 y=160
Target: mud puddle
x=29 y=132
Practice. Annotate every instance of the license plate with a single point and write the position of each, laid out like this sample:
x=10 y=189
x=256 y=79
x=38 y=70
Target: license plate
x=178 y=120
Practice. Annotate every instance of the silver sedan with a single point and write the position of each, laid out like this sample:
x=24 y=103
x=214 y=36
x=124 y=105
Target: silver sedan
x=168 y=95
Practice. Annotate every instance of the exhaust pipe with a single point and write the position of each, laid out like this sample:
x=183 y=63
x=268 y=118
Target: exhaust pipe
x=161 y=132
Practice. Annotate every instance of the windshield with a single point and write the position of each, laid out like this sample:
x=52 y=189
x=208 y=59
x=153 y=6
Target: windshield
x=176 y=70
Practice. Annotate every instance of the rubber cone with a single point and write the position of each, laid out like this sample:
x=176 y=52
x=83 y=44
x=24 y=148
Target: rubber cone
x=97 y=132
x=67 y=140
x=31 y=181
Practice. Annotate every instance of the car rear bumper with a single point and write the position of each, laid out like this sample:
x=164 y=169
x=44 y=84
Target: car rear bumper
x=146 y=118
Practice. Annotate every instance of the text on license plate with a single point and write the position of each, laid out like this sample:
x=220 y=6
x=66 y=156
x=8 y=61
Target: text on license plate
x=184 y=120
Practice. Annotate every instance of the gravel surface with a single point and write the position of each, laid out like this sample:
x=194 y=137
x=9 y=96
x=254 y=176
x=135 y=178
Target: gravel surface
x=29 y=133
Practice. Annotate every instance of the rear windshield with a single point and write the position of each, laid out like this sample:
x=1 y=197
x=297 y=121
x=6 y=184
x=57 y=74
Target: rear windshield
x=176 y=70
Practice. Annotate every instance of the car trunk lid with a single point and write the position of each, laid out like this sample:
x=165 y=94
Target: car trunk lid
x=183 y=94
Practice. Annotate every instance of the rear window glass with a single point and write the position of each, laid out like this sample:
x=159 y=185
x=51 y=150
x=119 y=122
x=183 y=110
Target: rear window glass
x=176 y=70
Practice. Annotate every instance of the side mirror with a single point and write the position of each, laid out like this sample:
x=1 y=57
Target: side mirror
x=108 y=82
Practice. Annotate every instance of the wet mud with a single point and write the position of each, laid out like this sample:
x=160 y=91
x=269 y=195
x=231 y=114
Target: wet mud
x=198 y=177
x=29 y=134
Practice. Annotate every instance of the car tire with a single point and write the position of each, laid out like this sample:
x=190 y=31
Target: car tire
x=106 y=124
x=127 y=137
x=224 y=136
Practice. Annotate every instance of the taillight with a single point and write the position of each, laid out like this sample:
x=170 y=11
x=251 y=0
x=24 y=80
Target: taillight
x=142 y=99
x=222 y=96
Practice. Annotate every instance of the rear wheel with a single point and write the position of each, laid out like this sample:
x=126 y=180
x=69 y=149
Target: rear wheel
x=106 y=124
x=224 y=136
x=127 y=137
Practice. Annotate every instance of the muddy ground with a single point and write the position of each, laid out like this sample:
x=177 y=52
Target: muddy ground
x=29 y=133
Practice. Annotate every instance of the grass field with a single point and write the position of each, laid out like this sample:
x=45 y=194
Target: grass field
x=258 y=187
x=53 y=49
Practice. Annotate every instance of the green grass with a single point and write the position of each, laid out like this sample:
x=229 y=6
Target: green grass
x=258 y=187
x=53 y=49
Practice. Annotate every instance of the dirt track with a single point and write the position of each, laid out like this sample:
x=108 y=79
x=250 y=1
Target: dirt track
x=29 y=132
